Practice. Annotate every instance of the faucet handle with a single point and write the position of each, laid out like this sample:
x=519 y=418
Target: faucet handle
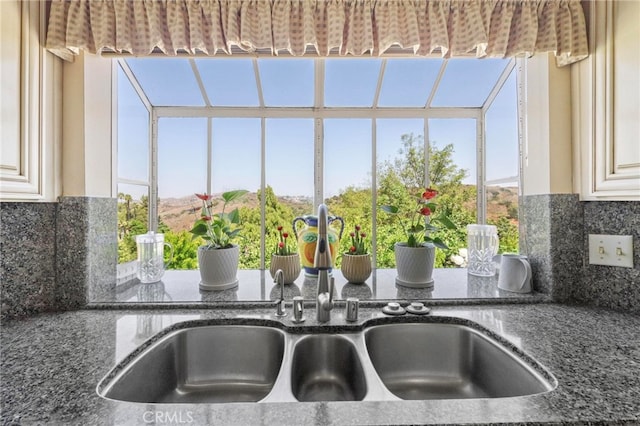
x=280 y=308
x=279 y=280
x=298 y=309
x=332 y=286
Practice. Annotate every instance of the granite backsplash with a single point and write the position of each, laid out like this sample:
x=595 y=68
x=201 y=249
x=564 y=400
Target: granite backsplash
x=56 y=256
x=612 y=287
x=555 y=235
x=27 y=258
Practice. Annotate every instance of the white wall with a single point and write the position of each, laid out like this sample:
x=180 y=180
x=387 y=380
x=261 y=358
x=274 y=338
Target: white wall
x=547 y=165
x=87 y=154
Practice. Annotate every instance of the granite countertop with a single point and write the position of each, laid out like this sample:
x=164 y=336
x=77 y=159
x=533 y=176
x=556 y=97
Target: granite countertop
x=52 y=363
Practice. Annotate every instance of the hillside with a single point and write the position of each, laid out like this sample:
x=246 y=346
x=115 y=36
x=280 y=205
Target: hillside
x=502 y=202
x=180 y=213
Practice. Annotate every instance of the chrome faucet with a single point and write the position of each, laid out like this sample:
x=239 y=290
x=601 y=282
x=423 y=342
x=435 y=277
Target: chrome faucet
x=322 y=262
x=279 y=279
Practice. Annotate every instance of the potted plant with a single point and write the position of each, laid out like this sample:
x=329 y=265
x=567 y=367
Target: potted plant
x=218 y=258
x=285 y=257
x=356 y=262
x=415 y=258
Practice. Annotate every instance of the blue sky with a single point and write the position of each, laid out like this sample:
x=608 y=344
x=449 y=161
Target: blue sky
x=182 y=146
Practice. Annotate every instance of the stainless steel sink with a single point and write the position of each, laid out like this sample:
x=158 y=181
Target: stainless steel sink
x=389 y=362
x=203 y=364
x=327 y=367
x=447 y=361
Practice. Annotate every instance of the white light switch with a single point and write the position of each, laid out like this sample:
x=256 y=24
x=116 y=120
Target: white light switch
x=611 y=250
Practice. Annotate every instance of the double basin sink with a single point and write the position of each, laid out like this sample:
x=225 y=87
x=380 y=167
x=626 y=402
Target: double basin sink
x=381 y=362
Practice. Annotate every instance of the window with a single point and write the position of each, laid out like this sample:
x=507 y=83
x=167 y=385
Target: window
x=502 y=164
x=134 y=168
x=352 y=133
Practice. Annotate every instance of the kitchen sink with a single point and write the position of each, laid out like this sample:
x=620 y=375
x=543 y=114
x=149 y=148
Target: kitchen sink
x=204 y=364
x=381 y=361
x=327 y=367
x=447 y=361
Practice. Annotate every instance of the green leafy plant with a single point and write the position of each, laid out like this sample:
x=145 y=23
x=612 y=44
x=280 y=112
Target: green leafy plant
x=283 y=248
x=218 y=229
x=421 y=221
x=358 y=245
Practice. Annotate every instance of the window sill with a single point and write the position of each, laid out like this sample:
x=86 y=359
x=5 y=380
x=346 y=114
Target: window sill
x=182 y=286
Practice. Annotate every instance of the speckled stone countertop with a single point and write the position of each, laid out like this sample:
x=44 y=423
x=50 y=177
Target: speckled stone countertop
x=52 y=363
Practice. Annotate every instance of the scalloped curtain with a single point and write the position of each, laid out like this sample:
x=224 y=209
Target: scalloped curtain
x=447 y=28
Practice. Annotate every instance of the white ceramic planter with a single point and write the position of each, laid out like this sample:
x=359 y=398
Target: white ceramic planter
x=415 y=265
x=218 y=268
x=356 y=268
x=290 y=266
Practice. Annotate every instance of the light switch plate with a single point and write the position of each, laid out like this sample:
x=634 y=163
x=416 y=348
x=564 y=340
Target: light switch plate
x=611 y=250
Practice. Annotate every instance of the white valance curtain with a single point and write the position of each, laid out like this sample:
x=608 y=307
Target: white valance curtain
x=448 y=28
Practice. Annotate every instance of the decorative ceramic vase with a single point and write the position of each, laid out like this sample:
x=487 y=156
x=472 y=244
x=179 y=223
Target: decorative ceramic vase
x=415 y=265
x=218 y=267
x=290 y=266
x=307 y=236
x=356 y=268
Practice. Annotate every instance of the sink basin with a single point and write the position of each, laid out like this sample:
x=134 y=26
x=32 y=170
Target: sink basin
x=447 y=361
x=386 y=362
x=203 y=364
x=327 y=367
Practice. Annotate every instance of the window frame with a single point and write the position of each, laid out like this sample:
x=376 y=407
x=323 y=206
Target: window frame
x=152 y=147
x=319 y=112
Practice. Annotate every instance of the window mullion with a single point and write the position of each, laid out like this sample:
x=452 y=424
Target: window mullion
x=427 y=179
x=153 y=170
x=114 y=128
x=376 y=96
x=508 y=179
x=436 y=83
x=135 y=84
x=263 y=184
x=198 y=77
x=521 y=96
x=318 y=196
x=481 y=166
x=209 y=154
x=256 y=72
x=318 y=193
x=374 y=196
x=499 y=84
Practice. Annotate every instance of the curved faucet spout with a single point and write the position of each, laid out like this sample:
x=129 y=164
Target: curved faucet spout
x=322 y=258
x=322 y=262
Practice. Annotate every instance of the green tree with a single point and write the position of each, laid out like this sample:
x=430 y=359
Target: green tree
x=185 y=249
x=402 y=180
x=353 y=205
x=277 y=214
x=132 y=221
x=507 y=234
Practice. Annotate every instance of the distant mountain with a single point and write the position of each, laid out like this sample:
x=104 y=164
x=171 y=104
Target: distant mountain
x=502 y=201
x=180 y=213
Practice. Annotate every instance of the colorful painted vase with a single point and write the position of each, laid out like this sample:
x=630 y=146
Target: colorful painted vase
x=307 y=236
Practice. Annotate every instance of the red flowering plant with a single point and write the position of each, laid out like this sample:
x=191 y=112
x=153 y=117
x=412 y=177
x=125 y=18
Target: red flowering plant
x=283 y=248
x=357 y=241
x=421 y=221
x=218 y=229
